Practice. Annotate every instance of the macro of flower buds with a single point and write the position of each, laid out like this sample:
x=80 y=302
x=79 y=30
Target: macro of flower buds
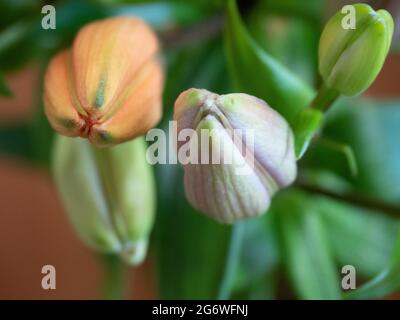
x=351 y=58
x=109 y=194
x=108 y=86
x=218 y=188
x=199 y=150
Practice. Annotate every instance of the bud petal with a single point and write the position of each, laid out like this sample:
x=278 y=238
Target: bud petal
x=350 y=59
x=108 y=194
x=218 y=189
x=58 y=100
x=111 y=73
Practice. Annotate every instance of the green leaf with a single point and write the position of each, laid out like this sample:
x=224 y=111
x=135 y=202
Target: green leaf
x=359 y=237
x=385 y=283
x=11 y=11
x=341 y=148
x=308 y=256
x=114 y=274
x=259 y=261
x=161 y=14
x=18 y=43
x=292 y=40
x=13 y=34
x=41 y=133
x=208 y=71
x=15 y=141
x=307 y=123
x=310 y=9
x=5 y=90
x=200 y=5
x=257 y=73
x=194 y=253
x=372 y=130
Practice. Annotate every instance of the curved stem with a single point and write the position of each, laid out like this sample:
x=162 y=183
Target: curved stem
x=232 y=260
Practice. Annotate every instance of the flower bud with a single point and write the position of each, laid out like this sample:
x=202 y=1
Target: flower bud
x=218 y=188
x=109 y=194
x=350 y=59
x=108 y=86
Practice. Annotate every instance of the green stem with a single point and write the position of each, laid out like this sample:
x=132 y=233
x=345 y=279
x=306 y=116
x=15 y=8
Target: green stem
x=324 y=98
x=232 y=260
x=114 y=285
x=310 y=119
x=113 y=266
x=354 y=199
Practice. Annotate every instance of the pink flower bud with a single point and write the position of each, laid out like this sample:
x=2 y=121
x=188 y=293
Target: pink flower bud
x=249 y=171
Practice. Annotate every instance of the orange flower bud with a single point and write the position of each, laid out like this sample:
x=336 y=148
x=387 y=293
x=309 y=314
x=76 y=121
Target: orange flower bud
x=108 y=86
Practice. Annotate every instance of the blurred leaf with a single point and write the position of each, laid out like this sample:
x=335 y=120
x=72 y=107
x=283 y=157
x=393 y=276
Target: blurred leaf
x=18 y=43
x=198 y=4
x=306 y=249
x=293 y=41
x=372 y=130
x=358 y=237
x=11 y=11
x=202 y=263
x=257 y=73
x=114 y=274
x=5 y=90
x=341 y=148
x=25 y=40
x=208 y=71
x=307 y=122
x=13 y=34
x=41 y=133
x=259 y=261
x=385 y=283
x=14 y=141
x=310 y=9
x=192 y=249
x=162 y=15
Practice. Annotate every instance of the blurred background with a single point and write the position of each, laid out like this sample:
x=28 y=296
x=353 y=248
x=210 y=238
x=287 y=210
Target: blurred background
x=359 y=213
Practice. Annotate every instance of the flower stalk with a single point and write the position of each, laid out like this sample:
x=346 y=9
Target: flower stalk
x=114 y=277
x=325 y=98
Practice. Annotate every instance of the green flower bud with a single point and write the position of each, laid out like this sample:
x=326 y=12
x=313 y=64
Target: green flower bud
x=351 y=56
x=108 y=193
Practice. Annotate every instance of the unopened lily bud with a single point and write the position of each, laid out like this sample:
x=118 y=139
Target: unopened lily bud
x=108 y=86
x=243 y=186
x=352 y=54
x=109 y=194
